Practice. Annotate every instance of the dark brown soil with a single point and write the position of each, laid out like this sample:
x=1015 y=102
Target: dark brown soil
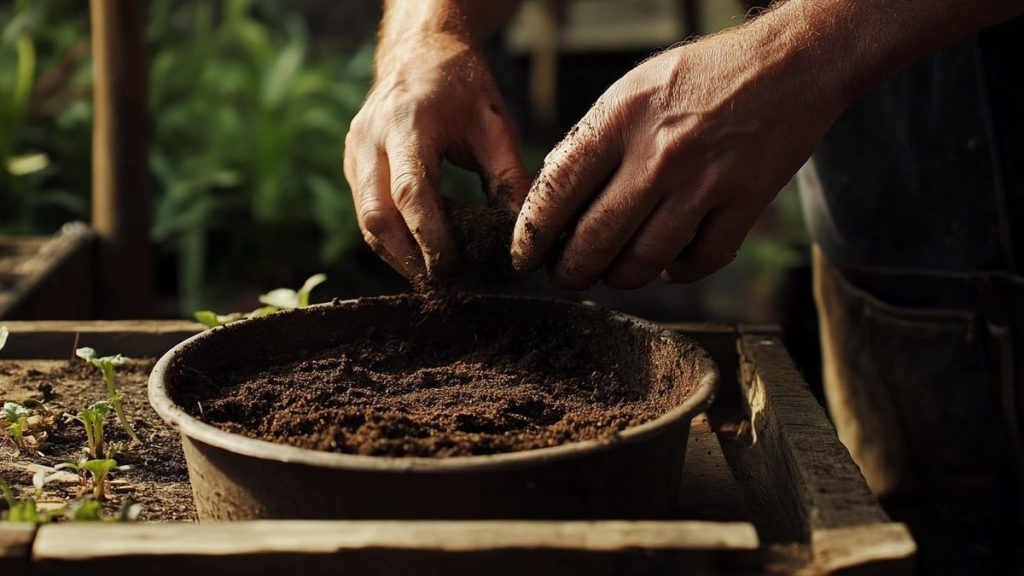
x=158 y=479
x=457 y=386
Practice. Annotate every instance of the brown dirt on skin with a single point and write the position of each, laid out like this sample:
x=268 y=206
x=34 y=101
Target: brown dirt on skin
x=158 y=479
x=480 y=388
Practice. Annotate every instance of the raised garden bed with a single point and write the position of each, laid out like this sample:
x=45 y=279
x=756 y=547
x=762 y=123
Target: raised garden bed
x=767 y=488
x=47 y=277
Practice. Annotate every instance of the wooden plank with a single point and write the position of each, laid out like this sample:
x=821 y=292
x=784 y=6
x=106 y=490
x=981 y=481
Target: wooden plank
x=54 y=278
x=120 y=166
x=821 y=484
x=389 y=547
x=875 y=549
x=54 y=340
x=708 y=490
x=15 y=548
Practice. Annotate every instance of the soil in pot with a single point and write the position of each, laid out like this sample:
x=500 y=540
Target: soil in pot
x=448 y=383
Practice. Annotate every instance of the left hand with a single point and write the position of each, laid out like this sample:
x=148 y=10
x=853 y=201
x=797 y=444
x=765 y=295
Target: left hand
x=671 y=167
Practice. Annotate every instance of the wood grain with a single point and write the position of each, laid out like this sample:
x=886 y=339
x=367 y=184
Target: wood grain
x=15 y=548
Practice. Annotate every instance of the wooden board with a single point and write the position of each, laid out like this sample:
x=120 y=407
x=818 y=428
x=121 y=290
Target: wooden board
x=393 y=547
x=53 y=278
x=15 y=548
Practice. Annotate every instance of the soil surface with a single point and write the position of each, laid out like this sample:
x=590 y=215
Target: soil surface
x=448 y=384
x=158 y=479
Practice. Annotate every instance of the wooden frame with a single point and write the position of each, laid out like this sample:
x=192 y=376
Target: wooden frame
x=54 y=279
x=771 y=490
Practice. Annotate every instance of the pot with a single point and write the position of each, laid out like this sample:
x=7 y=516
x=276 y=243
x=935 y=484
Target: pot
x=634 y=475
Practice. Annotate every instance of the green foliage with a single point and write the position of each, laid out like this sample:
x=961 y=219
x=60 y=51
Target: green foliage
x=20 y=509
x=92 y=419
x=93 y=474
x=16 y=416
x=279 y=299
x=248 y=141
x=106 y=364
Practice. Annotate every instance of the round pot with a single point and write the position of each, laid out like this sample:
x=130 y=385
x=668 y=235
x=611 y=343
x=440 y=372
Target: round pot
x=635 y=475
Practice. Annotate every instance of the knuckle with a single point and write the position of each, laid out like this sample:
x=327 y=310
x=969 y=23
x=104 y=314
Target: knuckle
x=375 y=223
x=404 y=191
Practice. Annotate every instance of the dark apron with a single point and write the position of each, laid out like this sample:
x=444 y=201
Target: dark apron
x=917 y=204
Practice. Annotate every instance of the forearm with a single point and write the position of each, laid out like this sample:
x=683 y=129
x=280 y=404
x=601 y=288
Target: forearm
x=851 y=45
x=409 y=23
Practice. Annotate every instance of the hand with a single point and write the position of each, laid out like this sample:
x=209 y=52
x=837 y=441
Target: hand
x=434 y=98
x=672 y=166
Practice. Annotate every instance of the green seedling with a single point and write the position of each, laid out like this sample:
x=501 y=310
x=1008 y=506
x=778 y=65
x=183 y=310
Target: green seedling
x=279 y=299
x=16 y=416
x=93 y=474
x=92 y=419
x=286 y=298
x=106 y=364
x=20 y=509
x=89 y=509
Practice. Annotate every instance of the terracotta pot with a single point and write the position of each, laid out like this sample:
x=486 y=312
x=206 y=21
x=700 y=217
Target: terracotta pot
x=636 y=475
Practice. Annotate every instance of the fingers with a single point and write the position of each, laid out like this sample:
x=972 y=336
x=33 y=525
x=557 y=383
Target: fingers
x=603 y=230
x=573 y=172
x=414 y=170
x=497 y=156
x=657 y=243
x=717 y=242
x=383 y=227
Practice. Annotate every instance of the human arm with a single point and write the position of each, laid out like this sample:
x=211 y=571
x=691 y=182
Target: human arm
x=674 y=163
x=433 y=98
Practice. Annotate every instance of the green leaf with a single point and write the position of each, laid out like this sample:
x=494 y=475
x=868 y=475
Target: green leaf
x=208 y=318
x=311 y=283
x=27 y=164
x=86 y=354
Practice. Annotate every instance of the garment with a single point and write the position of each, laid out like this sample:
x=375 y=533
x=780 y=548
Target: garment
x=916 y=203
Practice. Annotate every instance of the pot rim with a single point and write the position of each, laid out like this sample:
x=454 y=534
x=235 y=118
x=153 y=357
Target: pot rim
x=197 y=430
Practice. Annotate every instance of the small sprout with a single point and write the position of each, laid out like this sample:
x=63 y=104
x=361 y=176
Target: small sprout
x=286 y=298
x=20 y=509
x=93 y=474
x=280 y=299
x=4 y=333
x=92 y=419
x=89 y=510
x=106 y=364
x=17 y=420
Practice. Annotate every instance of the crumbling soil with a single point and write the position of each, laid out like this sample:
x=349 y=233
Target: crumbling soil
x=158 y=479
x=452 y=383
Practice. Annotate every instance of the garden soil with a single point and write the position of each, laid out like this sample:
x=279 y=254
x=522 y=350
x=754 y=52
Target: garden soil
x=158 y=479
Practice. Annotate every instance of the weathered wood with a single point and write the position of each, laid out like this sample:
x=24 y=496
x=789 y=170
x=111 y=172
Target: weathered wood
x=872 y=549
x=707 y=489
x=387 y=547
x=120 y=166
x=15 y=548
x=133 y=338
x=821 y=485
x=53 y=279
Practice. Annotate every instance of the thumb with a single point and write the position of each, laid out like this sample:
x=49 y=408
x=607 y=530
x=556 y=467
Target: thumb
x=506 y=180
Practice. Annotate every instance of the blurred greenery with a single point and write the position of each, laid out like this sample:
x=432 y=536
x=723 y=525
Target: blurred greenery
x=247 y=130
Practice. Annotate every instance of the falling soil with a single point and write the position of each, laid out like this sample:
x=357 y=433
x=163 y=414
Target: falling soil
x=449 y=384
x=158 y=479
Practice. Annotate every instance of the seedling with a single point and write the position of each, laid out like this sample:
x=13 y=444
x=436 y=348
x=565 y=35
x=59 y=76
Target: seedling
x=106 y=366
x=90 y=510
x=20 y=509
x=93 y=474
x=279 y=299
x=286 y=298
x=17 y=421
x=92 y=419
x=4 y=333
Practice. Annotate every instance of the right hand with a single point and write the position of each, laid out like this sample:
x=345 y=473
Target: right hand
x=434 y=99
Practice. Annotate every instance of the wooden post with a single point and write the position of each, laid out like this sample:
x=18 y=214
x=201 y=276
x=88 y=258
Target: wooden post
x=120 y=198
